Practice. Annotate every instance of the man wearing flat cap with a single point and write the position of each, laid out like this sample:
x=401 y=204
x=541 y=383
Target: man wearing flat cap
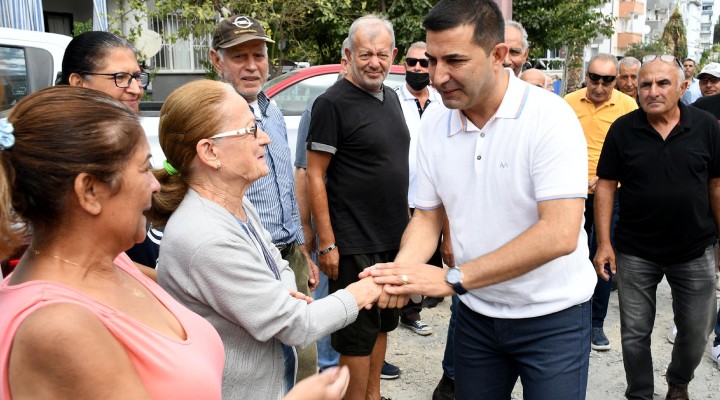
x=239 y=54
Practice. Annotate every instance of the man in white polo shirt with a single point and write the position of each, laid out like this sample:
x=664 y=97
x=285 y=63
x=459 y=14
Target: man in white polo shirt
x=508 y=165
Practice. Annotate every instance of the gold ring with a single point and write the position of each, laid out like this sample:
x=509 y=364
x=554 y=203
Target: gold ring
x=404 y=279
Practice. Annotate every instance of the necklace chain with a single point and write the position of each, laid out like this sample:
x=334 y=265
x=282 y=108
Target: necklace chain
x=136 y=292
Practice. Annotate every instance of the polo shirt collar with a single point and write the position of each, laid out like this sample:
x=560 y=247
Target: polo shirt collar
x=511 y=106
x=405 y=94
x=611 y=101
x=640 y=120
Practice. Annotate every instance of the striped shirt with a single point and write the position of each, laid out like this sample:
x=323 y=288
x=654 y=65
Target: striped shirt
x=281 y=218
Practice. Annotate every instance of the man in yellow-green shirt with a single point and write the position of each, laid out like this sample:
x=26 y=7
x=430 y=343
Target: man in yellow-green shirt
x=597 y=106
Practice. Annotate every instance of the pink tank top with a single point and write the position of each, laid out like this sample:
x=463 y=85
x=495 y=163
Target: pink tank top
x=169 y=368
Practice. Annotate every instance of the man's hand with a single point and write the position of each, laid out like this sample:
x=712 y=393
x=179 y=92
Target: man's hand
x=406 y=279
x=329 y=263
x=591 y=184
x=605 y=255
x=446 y=251
x=313 y=274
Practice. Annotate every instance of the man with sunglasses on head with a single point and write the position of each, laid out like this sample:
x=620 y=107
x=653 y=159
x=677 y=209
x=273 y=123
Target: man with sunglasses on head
x=597 y=106
x=239 y=55
x=666 y=156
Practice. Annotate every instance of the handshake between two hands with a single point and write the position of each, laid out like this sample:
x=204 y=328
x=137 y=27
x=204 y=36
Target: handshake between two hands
x=390 y=285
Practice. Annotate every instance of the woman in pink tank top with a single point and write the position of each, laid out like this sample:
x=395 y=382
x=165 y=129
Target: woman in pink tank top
x=78 y=319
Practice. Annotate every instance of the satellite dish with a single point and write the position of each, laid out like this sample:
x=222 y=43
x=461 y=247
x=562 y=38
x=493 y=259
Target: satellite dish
x=148 y=43
x=646 y=29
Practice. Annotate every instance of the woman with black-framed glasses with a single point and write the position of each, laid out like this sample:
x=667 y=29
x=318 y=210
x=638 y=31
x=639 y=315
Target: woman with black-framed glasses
x=108 y=63
x=105 y=62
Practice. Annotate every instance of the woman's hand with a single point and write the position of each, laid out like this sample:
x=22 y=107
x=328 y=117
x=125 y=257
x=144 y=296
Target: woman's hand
x=365 y=292
x=331 y=384
x=301 y=296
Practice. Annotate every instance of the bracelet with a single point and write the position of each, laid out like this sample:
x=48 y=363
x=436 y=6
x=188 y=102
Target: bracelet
x=329 y=249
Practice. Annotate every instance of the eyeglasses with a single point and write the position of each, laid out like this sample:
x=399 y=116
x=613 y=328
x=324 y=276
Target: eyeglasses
x=424 y=62
x=597 y=78
x=251 y=130
x=711 y=79
x=124 y=79
x=662 y=57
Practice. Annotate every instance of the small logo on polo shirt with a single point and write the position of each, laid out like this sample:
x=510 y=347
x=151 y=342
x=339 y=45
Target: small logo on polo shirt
x=504 y=165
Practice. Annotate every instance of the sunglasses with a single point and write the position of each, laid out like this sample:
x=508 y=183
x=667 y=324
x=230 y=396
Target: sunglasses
x=424 y=62
x=711 y=79
x=605 y=78
x=251 y=130
x=662 y=57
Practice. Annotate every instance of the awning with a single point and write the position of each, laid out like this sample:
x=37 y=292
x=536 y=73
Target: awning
x=22 y=14
x=100 y=21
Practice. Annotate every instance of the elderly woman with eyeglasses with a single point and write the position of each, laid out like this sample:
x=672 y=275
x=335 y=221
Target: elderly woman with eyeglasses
x=218 y=260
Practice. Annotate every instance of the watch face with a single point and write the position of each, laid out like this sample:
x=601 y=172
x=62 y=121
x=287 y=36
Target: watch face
x=453 y=276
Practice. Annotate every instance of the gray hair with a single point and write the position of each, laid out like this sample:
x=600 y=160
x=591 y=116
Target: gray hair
x=604 y=57
x=522 y=30
x=417 y=45
x=345 y=45
x=366 y=22
x=629 y=62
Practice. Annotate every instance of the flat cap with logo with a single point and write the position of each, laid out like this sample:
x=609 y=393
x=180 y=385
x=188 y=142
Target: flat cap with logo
x=238 y=29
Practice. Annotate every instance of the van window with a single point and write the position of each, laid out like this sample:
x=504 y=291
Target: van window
x=13 y=76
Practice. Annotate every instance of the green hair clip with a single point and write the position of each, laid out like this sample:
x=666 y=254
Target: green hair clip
x=169 y=168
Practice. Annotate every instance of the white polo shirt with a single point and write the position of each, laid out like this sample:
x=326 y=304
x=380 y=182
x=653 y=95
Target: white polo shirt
x=490 y=180
x=412 y=119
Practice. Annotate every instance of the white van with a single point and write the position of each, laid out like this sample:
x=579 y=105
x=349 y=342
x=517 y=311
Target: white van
x=29 y=61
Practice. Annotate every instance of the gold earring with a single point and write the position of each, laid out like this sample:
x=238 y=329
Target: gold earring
x=217 y=166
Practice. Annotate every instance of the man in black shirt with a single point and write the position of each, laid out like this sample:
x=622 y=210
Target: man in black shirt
x=666 y=156
x=357 y=174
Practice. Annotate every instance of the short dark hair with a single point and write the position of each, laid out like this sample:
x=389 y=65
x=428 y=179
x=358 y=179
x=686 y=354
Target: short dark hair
x=483 y=15
x=87 y=52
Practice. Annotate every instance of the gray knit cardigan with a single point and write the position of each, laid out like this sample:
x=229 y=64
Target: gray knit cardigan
x=208 y=263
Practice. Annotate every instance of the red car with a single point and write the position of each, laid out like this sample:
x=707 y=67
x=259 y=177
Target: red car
x=292 y=92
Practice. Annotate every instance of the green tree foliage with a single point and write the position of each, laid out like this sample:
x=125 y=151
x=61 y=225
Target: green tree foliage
x=553 y=24
x=567 y=24
x=308 y=30
x=80 y=27
x=674 y=36
x=640 y=50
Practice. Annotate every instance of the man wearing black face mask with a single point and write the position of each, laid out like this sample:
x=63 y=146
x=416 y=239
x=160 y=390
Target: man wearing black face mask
x=416 y=96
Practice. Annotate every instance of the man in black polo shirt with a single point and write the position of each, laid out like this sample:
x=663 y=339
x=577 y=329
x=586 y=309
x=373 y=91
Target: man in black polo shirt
x=357 y=174
x=666 y=156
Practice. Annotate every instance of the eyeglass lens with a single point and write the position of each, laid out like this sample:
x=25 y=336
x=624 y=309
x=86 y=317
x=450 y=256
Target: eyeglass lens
x=424 y=62
x=123 y=79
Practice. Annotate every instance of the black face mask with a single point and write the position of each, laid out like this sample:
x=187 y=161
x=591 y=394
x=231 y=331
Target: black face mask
x=417 y=80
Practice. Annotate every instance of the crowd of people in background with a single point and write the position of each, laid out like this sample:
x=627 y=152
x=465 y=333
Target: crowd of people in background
x=194 y=280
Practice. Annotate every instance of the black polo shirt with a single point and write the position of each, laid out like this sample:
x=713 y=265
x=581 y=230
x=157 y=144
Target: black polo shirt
x=367 y=178
x=665 y=213
x=710 y=104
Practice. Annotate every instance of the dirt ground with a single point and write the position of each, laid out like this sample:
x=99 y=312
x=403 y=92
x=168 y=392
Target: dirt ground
x=419 y=358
